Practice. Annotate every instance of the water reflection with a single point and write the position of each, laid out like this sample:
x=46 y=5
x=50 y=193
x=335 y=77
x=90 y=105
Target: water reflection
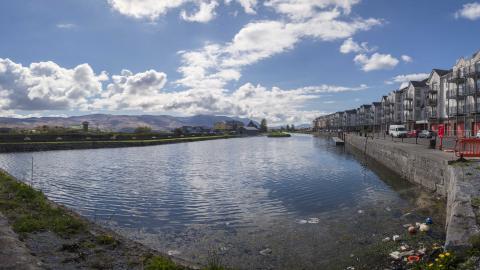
x=309 y=202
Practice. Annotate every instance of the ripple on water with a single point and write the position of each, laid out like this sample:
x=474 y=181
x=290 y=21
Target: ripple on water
x=295 y=196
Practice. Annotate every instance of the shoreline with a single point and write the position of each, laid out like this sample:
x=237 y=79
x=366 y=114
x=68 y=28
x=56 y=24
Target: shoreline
x=73 y=145
x=49 y=235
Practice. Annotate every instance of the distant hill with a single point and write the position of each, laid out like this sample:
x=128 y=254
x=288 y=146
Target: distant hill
x=125 y=123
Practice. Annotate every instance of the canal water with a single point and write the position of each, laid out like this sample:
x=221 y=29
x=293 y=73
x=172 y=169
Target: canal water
x=252 y=203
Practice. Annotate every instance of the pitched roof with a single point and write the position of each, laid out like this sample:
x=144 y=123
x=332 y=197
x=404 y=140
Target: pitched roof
x=441 y=72
x=419 y=83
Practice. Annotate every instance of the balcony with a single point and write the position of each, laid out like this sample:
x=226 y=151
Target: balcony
x=473 y=70
x=453 y=111
x=432 y=114
x=433 y=89
x=456 y=77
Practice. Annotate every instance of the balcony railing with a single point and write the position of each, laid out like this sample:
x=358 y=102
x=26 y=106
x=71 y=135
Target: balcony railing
x=432 y=101
x=457 y=76
x=473 y=70
x=453 y=111
x=431 y=114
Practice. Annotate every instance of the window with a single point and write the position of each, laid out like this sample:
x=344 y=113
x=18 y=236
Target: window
x=478 y=84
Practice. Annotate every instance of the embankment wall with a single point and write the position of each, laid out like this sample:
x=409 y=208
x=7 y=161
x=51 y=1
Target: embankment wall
x=431 y=169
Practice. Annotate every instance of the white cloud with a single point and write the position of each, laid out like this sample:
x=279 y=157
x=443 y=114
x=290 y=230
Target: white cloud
x=145 y=9
x=349 y=45
x=207 y=67
x=405 y=78
x=376 y=61
x=66 y=25
x=203 y=10
x=469 y=11
x=248 y=5
x=302 y=9
x=205 y=13
x=45 y=85
x=407 y=59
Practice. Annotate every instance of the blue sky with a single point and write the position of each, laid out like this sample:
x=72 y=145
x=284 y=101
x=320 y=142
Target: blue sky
x=284 y=60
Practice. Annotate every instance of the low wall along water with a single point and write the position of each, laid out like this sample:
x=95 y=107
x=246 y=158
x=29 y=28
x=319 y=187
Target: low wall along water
x=433 y=170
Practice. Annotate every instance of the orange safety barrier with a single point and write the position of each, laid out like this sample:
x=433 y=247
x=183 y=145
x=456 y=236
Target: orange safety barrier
x=467 y=147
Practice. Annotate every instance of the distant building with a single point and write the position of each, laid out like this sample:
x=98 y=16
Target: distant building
x=231 y=125
x=85 y=126
x=250 y=131
x=252 y=124
x=195 y=130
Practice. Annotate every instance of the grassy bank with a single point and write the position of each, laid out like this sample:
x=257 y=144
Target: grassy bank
x=278 y=135
x=62 y=239
x=69 y=145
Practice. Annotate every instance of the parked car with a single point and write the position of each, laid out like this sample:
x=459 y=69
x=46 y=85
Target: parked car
x=425 y=134
x=411 y=133
x=397 y=131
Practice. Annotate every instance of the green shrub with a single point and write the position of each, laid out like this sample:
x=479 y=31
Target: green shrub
x=161 y=263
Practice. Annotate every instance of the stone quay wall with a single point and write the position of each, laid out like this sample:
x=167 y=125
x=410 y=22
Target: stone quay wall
x=433 y=170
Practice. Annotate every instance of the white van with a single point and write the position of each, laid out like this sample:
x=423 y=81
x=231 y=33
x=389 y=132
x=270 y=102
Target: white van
x=397 y=131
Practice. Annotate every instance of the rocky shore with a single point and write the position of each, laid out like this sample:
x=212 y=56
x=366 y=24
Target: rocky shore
x=36 y=233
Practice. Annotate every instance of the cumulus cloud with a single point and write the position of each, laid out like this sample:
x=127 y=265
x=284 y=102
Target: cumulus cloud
x=203 y=10
x=205 y=13
x=301 y=9
x=215 y=65
x=407 y=59
x=248 y=5
x=349 y=46
x=377 y=61
x=145 y=9
x=405 y=78
x=249 y=100
x=45 y=85
x=470 y=11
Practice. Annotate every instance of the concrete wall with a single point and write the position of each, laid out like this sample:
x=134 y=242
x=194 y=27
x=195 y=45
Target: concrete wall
x=414 y=166
x=430 y=169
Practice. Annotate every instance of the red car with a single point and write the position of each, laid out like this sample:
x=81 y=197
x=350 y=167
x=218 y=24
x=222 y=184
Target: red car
x=411 y=134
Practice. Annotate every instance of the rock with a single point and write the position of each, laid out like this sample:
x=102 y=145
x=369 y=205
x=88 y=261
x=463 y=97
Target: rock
x=265 y=252
x=313 y=220
x=407 y=225
x=396 y=237
x=424 y=228
x=412 y=230
x=397 y=255
x=302 y=221
x=422 y=251
x=428 y=221
x=386 y=239
x=404 y=247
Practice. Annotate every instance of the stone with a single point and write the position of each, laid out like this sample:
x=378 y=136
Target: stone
x=265 y=252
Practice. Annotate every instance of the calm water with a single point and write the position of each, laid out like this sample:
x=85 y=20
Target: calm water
x=310 y=203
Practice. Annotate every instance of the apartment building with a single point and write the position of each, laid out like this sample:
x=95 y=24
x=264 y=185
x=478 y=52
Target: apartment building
x=463 y=96
x=448 y=97
x=436 y=112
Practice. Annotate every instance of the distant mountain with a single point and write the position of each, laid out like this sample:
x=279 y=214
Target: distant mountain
x=124 y=123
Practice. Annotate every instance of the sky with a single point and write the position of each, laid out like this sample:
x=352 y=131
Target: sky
x=284 y=60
